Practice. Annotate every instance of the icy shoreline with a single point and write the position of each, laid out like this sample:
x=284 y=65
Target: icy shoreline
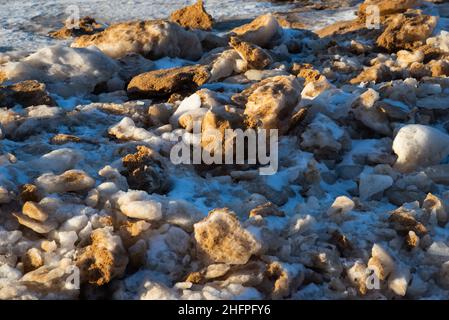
x=362 y=191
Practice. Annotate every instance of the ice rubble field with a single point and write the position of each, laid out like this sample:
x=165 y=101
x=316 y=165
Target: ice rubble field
x=24 y=25
x=361 y=193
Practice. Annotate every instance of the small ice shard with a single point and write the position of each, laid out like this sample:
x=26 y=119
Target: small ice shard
x=398 y=280
x=381 y=262
x=189 y=104
x=34 y=211
x=220 y=238
x=36 y=226
x=69 y=181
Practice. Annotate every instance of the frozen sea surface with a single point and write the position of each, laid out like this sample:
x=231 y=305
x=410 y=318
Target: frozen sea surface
x=24 y=25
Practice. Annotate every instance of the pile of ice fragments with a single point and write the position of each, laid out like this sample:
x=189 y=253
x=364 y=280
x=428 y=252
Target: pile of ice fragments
x=91 y=205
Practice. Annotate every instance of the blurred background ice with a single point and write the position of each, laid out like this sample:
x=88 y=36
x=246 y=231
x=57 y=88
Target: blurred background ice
x=24 y=25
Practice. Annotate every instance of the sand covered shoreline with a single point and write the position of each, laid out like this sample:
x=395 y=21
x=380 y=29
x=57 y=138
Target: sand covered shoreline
x=358 y=207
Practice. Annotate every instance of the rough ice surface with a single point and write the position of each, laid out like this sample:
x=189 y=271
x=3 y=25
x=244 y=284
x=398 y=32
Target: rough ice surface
x=361 y=188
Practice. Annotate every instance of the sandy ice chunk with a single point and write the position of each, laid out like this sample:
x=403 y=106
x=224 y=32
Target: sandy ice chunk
x=43 y=111
x=405 y=58
x=148 y=210
x=357 y=275
x=113 y=175
x=419 y=146
x=39 y=227
x=139 y=205
x=323 y=133
x=66 y=71
x=189 y=104
x=371 y=184
x=84 y=234
x=224 y=65
x=314 y=88
x=440 y=41
x=418 y=287
x=75 y=224
x=261 y=31
x=101 y=193
x=443 y=274
x=183 y=214
x=439 y=249
x=157 y=291
x=58 y=160
x=216 y=270
x=10 y=273
x=220 y=238
x=9 y=237
x=34 y=211
x=257 y=75
x=427 y=89
x=381 y=262
x=177 y=240
x=104 y=259
x=398 y=280
x=67 y=239
x=366 y=111
x=152 y=39
x=341 y=206
x=301 y=224
x=188 y=119
x=5 y=196
x=436 y=208
x=9 y=121
x=132 y=195
x=433 y=102
x=38 y=118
